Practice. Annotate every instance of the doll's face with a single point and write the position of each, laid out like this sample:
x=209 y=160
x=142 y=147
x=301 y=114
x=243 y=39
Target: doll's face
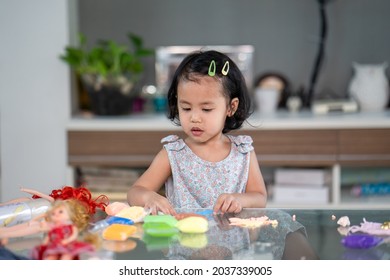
x=59 y=214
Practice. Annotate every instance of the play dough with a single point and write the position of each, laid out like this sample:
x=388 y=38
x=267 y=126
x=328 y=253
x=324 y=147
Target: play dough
x=118 y=232
x=193 y=225
x=253 y=222
x=135 y=213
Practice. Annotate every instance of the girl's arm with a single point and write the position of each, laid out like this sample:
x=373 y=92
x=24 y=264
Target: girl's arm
x=144 y=191
x=255 y=195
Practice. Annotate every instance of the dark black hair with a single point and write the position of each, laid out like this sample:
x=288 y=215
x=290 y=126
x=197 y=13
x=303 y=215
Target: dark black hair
x=196 y=65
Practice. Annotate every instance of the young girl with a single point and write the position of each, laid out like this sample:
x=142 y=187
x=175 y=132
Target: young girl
x=208 y=98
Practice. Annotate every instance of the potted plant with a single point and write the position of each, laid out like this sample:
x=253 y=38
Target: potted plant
x=108 y=71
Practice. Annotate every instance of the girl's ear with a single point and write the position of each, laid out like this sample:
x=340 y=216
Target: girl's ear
x=233 y=106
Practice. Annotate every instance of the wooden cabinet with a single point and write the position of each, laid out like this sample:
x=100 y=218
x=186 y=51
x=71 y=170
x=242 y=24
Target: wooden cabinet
x=294 y=147
x=114 y=148
x=364 y=147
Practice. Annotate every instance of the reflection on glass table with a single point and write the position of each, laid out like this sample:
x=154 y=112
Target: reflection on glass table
x=299 y=234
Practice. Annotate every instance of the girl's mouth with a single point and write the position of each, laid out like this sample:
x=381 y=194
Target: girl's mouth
x=196 y=131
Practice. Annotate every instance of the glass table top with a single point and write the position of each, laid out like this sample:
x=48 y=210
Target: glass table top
x=299 y=234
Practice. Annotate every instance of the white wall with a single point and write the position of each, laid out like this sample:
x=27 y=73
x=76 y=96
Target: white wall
x=34 y=95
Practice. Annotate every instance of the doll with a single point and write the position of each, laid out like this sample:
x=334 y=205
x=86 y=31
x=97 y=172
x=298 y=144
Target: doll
x=32 y=225
x=65 y=221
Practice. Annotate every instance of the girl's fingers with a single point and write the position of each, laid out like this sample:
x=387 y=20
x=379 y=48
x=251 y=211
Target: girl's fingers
x=220 y=204
x=172 y=211
x=217 y=206
x=238 y=208
x=233 y=207
x=162 y=205
x=153 y=209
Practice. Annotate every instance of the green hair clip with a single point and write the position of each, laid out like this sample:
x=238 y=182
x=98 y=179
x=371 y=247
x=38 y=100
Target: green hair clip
x=212 y=68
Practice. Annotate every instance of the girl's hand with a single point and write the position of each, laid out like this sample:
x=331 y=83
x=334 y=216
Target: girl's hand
x=227 y=203
x=156 y=203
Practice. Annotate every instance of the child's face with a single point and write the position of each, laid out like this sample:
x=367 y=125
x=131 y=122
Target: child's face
x=59 y=214
x=202 y=108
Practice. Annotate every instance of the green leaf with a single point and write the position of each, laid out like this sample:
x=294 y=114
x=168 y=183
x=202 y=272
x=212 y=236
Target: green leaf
x=107 y=58
x=135 y=40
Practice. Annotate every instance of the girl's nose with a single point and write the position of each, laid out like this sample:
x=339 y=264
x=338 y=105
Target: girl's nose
x=195 y=117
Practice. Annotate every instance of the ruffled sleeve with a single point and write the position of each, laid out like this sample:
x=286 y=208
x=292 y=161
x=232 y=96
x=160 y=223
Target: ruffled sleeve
x=173 y=142
x=243 y=143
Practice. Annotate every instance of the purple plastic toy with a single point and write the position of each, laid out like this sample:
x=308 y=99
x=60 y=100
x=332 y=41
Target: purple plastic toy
x=361 y=241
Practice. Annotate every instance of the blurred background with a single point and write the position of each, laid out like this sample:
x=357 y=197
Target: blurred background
x=285 y=33
x=311 y=44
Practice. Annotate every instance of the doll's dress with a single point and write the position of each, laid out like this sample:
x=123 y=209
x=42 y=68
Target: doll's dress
x=54 y=246
x=197 y=183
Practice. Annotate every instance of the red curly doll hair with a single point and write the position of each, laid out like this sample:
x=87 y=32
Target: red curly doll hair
x=81 y=194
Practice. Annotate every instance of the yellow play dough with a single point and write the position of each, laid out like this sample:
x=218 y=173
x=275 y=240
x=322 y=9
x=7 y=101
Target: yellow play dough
x=193 y=225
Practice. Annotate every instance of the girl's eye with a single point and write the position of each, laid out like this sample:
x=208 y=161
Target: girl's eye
x=207 y=110
x=186 y=109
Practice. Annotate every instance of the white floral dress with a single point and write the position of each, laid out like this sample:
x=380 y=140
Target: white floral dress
x=197 y=183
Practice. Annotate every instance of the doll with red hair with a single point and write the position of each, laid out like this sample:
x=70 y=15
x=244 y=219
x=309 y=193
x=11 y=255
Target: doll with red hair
x=34 y=225
x=65 y=222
